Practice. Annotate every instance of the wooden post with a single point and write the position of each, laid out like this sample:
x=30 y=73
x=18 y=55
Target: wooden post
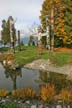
x=11 y=35
x=40 y=47
x=19 y=40
x=39 y=42
x=52 y=28
x=47 y=33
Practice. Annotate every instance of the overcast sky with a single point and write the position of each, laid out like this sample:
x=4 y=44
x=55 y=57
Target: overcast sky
x=25 y=12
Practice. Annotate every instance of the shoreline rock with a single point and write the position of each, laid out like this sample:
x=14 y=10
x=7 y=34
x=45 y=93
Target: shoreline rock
x=46 y=65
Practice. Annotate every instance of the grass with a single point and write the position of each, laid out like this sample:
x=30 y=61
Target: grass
x=3 y=49
x=28 y=54
x=59 y=58
x=8 y=105
x=31 y=53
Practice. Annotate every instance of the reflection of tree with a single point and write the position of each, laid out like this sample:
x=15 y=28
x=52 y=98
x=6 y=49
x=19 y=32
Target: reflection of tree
x=59 y=80
x=13 y=74
x=44 y=76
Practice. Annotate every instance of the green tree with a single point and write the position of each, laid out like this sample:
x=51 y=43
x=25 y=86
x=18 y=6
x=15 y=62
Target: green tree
x=5 y=38
x=5 y=33
x=31 y=40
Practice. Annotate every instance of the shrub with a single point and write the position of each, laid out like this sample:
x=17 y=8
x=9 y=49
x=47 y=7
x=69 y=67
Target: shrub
x=3 y=92
x=47 y=92
x=23 y=93
x=66 y=95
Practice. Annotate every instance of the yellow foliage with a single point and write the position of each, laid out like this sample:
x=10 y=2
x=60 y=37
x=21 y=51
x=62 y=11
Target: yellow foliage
x=66 y=95
x=8 y=57
x=23 y=93
x=3 y=92
x=47 y=92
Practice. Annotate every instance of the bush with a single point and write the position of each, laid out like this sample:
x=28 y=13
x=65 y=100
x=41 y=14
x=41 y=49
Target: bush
x=66 y=95
x=47 y=92
x=23 y=93
x=3 y=92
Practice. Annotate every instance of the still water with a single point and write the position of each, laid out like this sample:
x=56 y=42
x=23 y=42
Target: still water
x=12 y=79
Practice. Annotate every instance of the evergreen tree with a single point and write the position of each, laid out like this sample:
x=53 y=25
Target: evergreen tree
x=31 y=40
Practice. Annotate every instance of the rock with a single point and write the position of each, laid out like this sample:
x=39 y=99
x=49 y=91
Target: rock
x=58 y=106
x=33 y=106
x=4 y=62
x=46 y=65
x=28 y=102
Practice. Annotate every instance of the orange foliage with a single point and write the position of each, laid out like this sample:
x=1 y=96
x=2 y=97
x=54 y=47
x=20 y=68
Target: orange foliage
x=24 y=93
x=62 y=49
x=47 y=92
x=3 y=92
x=66 y=95
x=8 y=57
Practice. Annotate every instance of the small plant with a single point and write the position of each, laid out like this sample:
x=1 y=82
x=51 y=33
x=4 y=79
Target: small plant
x=23 y=93
x=47 y=92
x=3 y=92
x=66 y=95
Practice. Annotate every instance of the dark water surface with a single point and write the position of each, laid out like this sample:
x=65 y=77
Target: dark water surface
x=12 y=79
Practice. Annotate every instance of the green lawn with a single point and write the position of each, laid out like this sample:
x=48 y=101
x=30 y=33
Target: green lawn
x=59 y=58
x=28 y=54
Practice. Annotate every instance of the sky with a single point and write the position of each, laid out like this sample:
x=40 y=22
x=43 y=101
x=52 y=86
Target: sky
x=25 y=12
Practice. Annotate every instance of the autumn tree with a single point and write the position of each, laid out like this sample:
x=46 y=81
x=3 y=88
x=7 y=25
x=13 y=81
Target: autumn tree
x=62 y=19
x=68 y=21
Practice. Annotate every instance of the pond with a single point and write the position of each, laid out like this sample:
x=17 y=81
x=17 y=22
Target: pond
x=12 y=79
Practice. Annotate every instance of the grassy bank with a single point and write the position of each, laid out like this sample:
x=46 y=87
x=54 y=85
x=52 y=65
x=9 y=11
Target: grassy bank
x=59 y=58
x=28 y=54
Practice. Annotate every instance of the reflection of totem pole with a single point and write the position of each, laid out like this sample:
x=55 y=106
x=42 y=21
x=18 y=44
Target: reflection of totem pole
x=52 y=28
x=19 y=40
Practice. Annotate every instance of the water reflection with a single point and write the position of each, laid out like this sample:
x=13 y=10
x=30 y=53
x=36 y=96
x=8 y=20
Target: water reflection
x=13 y=74
x=59 y=80
x=12 y=79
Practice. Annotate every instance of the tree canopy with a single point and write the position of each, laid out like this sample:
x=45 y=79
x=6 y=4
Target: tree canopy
x=5 y=33
x=62 y=19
